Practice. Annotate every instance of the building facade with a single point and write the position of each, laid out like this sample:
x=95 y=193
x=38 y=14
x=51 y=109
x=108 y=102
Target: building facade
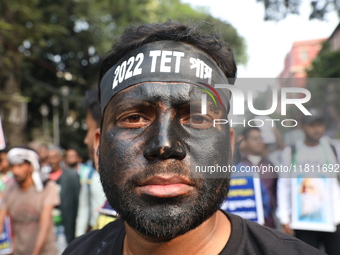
x=300 y=58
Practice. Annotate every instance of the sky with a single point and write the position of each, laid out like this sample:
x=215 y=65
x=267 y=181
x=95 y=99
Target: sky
x=267 y=42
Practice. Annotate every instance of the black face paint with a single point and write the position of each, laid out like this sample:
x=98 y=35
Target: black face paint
x=155 y=130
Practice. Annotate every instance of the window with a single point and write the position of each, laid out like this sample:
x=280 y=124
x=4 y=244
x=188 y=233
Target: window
x=303 y=55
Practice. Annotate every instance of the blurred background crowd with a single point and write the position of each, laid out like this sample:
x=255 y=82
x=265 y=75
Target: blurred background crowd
x=50 y=55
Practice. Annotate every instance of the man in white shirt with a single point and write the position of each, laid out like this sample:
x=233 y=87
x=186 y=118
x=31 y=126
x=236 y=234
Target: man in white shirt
x=308 y=156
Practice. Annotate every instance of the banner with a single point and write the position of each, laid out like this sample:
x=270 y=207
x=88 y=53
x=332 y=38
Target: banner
x=2 y=137
x=6 y=242
x=245 y=199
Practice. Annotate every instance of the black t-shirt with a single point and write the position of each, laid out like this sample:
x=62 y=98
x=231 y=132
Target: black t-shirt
x=247 y=238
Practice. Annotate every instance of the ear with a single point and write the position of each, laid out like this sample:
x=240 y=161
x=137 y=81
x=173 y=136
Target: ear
x=96 y=144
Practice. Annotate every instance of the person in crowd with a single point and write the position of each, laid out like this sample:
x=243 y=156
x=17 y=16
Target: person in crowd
x=73 y=160
x=42 y=150
x=312 y=152
x=274 y=148
x=91 y=196
x=153 y=131
x=253 y=156
x=5 y=171
x=69 y=186
x=29 y=202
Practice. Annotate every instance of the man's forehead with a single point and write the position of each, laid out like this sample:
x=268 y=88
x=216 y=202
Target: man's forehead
x=158 y=90
x=174 y=95
x=54 y=152
x=23 y=163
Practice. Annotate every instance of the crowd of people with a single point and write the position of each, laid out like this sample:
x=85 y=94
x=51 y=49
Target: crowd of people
x=138 y=138
x=305 y=201
x=50 y=192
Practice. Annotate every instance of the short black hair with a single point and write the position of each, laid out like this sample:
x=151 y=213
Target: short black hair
x=91 y=104
x=4 y=151
x=136 y=36
x=76 y=150
x=247 y=130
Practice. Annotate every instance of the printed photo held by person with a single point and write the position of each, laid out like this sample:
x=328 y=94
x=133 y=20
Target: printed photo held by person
x=309 y=205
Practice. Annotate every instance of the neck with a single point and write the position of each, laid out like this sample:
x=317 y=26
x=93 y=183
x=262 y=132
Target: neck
x=28 y=183
x=43 y=162
x=209 y=238
x=310 y=142
x=55 y=170
x=254 y=154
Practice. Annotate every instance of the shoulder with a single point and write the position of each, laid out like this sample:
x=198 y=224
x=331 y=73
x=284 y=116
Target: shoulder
x=84 y=170
x=251 y=237
x=50 y=186
x=288 y=150
x=103 y=241
x=50 y=194
x=10 y=188
x=273 y=240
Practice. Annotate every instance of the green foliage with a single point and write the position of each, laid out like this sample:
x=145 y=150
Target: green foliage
x=279 y=9
x=326 y=64
x=176 y=10
x=324 y=75
x=47 y=44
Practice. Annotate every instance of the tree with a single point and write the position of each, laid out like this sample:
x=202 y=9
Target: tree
x=279 y=9
x=324 y=75
x=183 y=12
x=326 y=64
x=46 y=45
x=19 y=27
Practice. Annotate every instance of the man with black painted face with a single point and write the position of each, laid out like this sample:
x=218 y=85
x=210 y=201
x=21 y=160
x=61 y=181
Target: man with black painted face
x=159 y=102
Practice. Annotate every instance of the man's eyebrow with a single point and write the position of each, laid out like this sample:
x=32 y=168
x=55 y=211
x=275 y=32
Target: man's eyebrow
x=197 y=105
x=130 y=103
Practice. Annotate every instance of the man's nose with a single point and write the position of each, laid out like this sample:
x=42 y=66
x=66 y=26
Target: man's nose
x=164 y=140
x=15 y=168
x=86 y=139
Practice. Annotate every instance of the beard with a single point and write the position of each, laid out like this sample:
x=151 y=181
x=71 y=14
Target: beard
x=167 y=217
x=310 y=204
x=72 y=164
x=19 y=180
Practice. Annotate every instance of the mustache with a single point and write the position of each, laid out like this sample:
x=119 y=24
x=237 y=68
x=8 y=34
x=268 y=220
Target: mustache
x=19 y=179
x=173 y=168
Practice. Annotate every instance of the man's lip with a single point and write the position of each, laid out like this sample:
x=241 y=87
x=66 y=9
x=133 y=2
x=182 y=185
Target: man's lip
x=165 y=180
x=165 y=186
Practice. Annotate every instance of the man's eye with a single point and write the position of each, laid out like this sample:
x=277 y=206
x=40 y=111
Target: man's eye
x=197 y=120
x=134 y=119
